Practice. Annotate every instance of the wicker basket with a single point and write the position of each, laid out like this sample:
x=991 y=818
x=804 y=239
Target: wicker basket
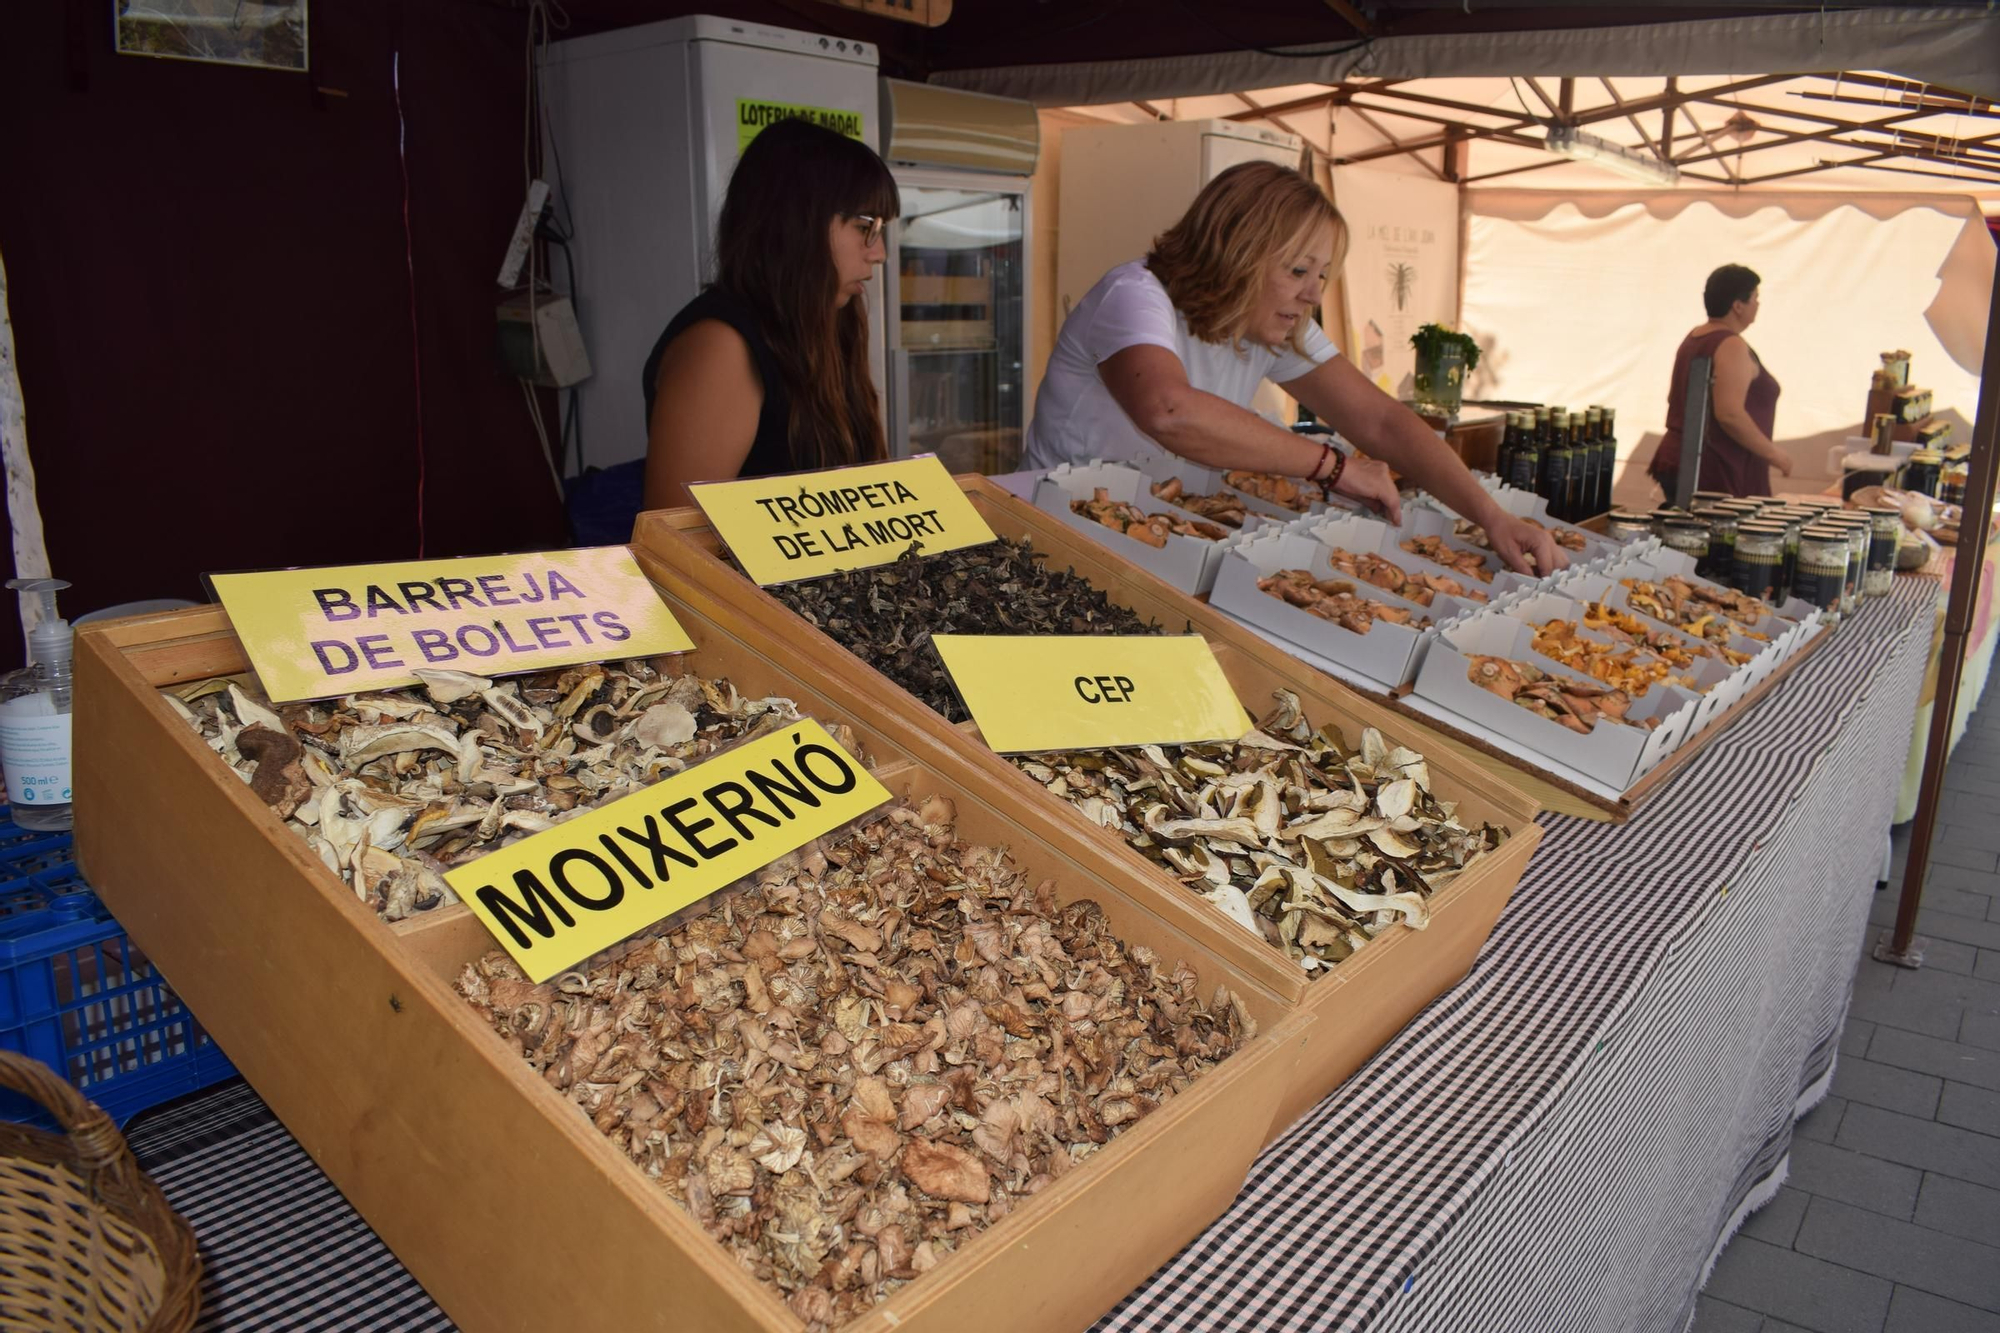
x=87 y=1241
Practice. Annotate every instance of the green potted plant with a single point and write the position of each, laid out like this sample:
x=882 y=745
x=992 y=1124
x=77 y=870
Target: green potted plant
x=1444 y=358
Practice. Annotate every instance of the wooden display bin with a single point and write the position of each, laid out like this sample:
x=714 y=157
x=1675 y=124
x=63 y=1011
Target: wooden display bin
x=1365 y=1000
x=495 y=1191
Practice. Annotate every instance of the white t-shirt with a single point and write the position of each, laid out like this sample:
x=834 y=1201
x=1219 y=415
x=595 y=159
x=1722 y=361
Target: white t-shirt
x=1077 y=419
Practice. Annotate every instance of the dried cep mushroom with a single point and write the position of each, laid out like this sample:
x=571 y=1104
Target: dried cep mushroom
x=1624 y=667
x=1386 y=574
x=1273 y=489
x=390 y=789
x=886 y=615
x=850 y=1067
x=1574 y=704
x=1228 y=510
x=1434 y=549
x=1336 y=600
x=1316 y=847
x=1123 y=516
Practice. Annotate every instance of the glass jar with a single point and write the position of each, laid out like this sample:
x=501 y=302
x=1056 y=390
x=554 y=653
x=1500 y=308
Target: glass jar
x=1922 y=472
x=1721 y=543
x=1662 y=516
x=1858 y=541
x=1623 y=526
x=1706 y=499
x=1760 y=551
x=1822 y=576
x=1689 y=535
x=1951 y=482
x=1885 y=523
x=1793 y=523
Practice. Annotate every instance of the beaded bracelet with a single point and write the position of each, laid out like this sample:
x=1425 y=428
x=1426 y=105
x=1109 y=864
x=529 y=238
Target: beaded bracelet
x=1327 y=484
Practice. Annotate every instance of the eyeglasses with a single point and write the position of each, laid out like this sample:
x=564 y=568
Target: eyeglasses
x=871 y=227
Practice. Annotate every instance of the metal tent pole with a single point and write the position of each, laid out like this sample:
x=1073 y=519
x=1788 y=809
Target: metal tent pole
x=1902 y=948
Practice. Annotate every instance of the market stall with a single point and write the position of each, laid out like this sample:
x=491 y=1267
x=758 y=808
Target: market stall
x=1563 y=1077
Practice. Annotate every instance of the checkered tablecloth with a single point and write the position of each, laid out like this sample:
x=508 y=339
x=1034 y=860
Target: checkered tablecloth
x=1562 y=1141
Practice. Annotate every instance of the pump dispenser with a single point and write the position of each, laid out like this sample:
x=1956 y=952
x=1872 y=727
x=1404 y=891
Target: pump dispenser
x=35 y=717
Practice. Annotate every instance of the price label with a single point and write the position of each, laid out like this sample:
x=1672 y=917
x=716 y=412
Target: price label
x=314 y=633
x=1031 y=692
x=810 y=524
x=558 y=897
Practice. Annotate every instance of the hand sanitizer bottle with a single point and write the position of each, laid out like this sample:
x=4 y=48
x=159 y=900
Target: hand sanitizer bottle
x=35 y=715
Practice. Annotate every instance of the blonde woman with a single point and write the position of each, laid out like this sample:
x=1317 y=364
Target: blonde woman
x=1164 y=356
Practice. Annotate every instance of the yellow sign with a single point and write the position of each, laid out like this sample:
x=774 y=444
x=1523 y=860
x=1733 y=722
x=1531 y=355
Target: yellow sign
x=754 y=116
x=810 y=524
x=1033 y=692
x=314 y=633
x=562 y=895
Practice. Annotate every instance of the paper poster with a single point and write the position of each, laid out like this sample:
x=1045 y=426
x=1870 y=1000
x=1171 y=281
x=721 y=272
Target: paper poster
x=1401 y=269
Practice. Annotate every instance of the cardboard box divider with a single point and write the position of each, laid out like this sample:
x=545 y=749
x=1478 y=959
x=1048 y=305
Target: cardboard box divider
x=1187 y=563
x=1386 y=655
x=456 y=1151
x=1366 y=999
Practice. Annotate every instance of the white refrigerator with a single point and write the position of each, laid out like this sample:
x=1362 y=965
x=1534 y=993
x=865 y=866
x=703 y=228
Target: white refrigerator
x=644 y=127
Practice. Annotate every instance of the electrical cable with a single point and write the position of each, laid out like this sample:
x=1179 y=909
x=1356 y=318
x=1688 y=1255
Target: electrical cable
x=410 y=267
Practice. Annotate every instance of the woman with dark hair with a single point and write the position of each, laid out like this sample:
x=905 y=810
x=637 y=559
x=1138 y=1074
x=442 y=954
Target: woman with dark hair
x=1164 y=357
x=766 y=371
x=1737 y=452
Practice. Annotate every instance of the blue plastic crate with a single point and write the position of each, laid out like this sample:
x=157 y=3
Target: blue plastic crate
x=79 y=996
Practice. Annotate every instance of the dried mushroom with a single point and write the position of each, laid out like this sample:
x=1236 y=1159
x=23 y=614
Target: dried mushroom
x=1625 y=668
x=1336 y=600
x=1660 y=642
x=1568 y=703
x=1389 y=576
x=1316 y=847
x=1439 y=552
x=850 y=1067
x=886 y=615
x=393 y=788
x=1228 y=510
x=1273 y=489
x=1566 y=537
x=1123 y=516
x=1696 y=608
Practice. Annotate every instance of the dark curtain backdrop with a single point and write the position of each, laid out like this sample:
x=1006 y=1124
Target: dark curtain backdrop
x=212 y=310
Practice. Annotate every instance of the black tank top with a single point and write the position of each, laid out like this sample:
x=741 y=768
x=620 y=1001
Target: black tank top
x=771 y=451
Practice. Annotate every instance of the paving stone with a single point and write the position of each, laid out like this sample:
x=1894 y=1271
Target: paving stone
x=1797 y=1287
x=1914 y=1256
x=1925 y=1144
x=1713 y=1316
x=1986 y=965
x=1960 y=880
x=1855 y=1036
x=1822 y=1123
x=1972 y=858
x=1965 y=833
x=1910 y=1013
x=1914 y=1311
x=1942 y=955
x=1947 y=987
x=1778 y=1221
x=1978 y=932
x=1888 y=1087
x=1850 y=1177
x=1932 y=1055
x=1981 y=1029
x=1968 y=1107
x=1959 y=1207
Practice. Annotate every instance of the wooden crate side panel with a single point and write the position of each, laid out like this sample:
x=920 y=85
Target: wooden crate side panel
x=476 y=1175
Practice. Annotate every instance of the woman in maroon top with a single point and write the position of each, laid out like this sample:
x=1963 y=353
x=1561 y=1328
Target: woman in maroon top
x=1737 y=452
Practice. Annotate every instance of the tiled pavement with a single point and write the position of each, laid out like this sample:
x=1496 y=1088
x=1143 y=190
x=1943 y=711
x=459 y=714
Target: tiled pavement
x=1891 y=1217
